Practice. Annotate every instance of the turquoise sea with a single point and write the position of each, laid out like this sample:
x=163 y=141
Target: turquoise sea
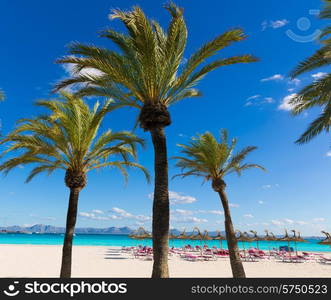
x=124 y=240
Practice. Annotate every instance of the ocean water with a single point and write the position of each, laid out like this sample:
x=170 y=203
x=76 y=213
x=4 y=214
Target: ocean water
x=124 y=240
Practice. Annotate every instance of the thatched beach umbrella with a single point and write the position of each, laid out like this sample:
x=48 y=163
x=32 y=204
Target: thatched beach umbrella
x=269 y=237
x=172 y=237
x=297 y=238
x=249 y=239
x=327 y=240
x=288 y=239
x=243 y=237
x=197 y=236
x=206 y=236
x=182 y=236
x=140 y=234
x=220 y=237
x=256 y=238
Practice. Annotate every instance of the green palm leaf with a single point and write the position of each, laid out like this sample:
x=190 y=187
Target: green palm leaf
x=318 y=92
x=67 y=138
x=205 y=157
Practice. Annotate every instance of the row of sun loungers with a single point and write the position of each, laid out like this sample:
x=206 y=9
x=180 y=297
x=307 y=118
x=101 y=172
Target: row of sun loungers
x=198 y=253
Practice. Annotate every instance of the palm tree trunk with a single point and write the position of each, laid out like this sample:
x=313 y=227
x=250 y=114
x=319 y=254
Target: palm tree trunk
x=235 y=261
x=70 y=228
x=160 y=227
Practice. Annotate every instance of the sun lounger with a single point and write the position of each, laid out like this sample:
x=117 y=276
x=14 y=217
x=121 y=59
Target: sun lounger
x=324 y=259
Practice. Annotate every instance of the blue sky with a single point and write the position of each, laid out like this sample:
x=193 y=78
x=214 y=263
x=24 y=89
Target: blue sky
x=249 y=100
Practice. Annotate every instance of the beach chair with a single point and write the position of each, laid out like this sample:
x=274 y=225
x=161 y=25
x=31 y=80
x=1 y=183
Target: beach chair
x=325 y=260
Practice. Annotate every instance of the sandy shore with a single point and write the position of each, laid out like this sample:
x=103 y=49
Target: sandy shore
x=95 y=261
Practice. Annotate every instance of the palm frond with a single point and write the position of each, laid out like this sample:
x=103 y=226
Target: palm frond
x=322 y=123
x=148 y=66
x=205 y=157
x=68 y=138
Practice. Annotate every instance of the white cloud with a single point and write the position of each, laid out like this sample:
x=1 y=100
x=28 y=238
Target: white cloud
x=267 y=186
x=253 y=97
x=269 y=100
x=97 y=211
x=123 y=213
x=248 y=216
x=277 y=222
x=114 y=217
x=260 y=202
x=189 y=220
x=295 y=81
x=285 y=105
x=84 y=214
x=70 y=70
x=48 y=218
x=183 y=212
x=318 y=219
x=233 y=205
x=273 y=77
x=328 y=154
x=213 y=212
x=289 y=221
x=92 y=216
x=273 y=24
x=301 y=222
x=258 y=100
x=177 y=198
x=278 y=23
x=142 y=218
x=216 y=212
x=318 y=75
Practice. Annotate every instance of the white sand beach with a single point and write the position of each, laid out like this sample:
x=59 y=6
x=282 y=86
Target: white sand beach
x=101 y=261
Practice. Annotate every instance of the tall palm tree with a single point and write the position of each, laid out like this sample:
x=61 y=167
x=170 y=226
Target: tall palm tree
x=68 y=139
x=318 y=93
x=149 y=72
x=205 y=157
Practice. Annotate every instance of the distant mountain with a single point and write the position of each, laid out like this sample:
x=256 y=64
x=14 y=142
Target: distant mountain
x=41 y=228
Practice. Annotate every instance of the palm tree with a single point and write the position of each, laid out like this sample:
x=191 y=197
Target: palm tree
x=150 y=73
x=205 y=157
x=318 y=93
x=67 y=139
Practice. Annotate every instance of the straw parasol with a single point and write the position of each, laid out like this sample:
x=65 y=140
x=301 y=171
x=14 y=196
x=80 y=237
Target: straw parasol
x=197 y=236
x=220 y=237
x=243 y=237
x=327 y=240
x=297 y=238
x=182 y=236
x=206 y=236
x=269 y=238
x=248 y=238
x=172 y=237
x=140 y=234
x=288 y=239
x=256 y=238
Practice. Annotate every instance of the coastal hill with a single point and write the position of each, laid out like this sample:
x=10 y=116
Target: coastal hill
x=41 y=228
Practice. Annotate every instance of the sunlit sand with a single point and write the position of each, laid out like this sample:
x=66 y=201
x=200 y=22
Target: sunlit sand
x=97 y=261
